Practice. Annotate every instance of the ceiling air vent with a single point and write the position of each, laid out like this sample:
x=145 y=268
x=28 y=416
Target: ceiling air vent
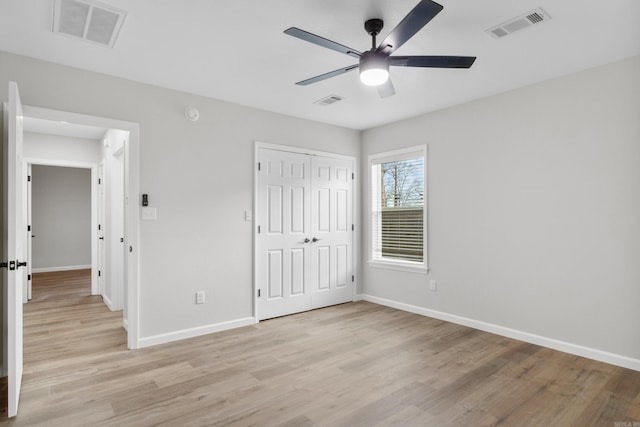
x=521 y=22
x=329 y=100
x=88 y=20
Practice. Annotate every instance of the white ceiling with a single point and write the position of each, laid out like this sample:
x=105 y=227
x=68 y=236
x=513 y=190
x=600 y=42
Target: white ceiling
x=235 y=50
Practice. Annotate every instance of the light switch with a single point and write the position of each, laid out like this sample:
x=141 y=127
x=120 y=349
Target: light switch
x=149 y=214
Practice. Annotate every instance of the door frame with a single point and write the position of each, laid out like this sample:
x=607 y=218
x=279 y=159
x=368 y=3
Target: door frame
x=355 y=255
x=32 y=161
x=132 y=207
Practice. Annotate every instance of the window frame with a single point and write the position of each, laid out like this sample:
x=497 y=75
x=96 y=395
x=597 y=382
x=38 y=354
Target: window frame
x=385 y=157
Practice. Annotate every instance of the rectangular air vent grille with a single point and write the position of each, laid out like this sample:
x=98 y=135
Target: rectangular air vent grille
x=519 y=23
x=329 y=100
x=88 y=20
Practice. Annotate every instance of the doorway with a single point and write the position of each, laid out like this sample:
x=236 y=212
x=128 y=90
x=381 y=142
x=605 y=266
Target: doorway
x=129 y=212
x=61 y=218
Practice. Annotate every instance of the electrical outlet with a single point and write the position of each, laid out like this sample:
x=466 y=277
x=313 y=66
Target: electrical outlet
x=200 y=297
x=433 y=285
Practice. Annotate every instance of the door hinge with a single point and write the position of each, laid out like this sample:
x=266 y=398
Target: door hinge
x=28 y=178
x=258 y=229
x=99 y=227
x=353 y=278
x=99 y=181
x=353 y=175
x=99 y=273
x=258 y=293
x=29 y=277
x=353 y=227
x=258 y=165
x=28 y=228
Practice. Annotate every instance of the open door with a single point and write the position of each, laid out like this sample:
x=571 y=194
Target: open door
x=15 y=251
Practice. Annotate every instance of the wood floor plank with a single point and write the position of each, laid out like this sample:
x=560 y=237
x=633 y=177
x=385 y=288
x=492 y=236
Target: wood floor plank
x=356 y=364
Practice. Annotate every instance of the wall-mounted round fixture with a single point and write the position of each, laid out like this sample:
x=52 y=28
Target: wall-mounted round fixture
x=192 y=114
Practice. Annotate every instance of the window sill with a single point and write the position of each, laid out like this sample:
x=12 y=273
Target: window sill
x=412 y=268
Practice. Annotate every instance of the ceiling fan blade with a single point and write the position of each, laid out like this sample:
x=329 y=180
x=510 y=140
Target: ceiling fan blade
x=327 y=75
x=419 y=16
x=432 y=61
x=321 y=41
x=385 y=90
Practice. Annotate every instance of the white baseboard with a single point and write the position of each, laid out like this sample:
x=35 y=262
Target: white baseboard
x=194 y=332
x=578 y=350
x=63 y=268
x=107 y=302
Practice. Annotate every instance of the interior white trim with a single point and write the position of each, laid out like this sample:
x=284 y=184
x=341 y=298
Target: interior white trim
x=575 y=349
x=108 y=303
x=61 y=268
x=195 y=332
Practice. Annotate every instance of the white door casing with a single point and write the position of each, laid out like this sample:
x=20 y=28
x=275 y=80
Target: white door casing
x=29 y=203
x=16 y=250
x=101 y=228
x=304 y=245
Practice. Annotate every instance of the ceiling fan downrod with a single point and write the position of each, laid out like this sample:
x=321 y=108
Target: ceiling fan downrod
x=373 y=28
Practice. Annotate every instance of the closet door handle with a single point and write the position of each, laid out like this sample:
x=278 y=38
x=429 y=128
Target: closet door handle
x=306 y=240
x=315 y=239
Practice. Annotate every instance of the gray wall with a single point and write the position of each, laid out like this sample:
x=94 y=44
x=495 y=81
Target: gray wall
x=61 y=217
x=198 y=175
x=534 y=209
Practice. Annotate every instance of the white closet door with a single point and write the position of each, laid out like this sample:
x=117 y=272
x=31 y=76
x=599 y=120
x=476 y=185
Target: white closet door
x=283 y=265
x=331 y=231
x=304 y=243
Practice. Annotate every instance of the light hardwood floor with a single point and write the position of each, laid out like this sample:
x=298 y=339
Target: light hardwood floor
x=355 y=364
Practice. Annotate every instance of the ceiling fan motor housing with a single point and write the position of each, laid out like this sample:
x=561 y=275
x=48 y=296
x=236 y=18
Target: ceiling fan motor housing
x=374 y=68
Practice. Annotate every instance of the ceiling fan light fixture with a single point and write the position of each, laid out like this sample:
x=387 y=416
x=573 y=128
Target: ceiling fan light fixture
x=374 y=69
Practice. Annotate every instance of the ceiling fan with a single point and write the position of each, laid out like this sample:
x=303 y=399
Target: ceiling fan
x=374 y=64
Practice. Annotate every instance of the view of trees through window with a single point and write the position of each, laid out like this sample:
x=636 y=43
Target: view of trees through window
x=400 y=216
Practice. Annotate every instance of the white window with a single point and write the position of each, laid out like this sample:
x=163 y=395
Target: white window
x=398 y=209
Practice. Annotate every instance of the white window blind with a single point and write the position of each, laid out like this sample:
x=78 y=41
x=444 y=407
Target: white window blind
x=398 y=210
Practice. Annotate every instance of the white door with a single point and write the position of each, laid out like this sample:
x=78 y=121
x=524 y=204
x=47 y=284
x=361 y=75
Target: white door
x=305 y=232
x=15 y=222
x=331 y=231
x=283 y=267
x=101 y=231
